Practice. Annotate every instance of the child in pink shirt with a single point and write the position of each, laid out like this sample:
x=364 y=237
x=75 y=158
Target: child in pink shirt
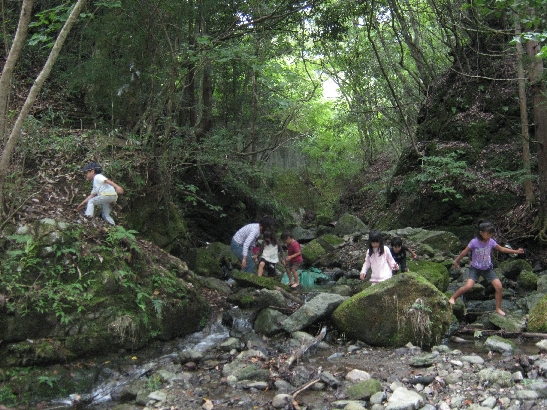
x=378 y=259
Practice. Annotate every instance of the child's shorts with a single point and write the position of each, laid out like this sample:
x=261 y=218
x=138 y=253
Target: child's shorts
x=489 y=275
x=269 y=267
x=294 y=265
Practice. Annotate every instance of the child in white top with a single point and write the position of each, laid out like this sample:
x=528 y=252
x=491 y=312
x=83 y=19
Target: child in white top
x=269 y=254
x=378 y=259
x=104 y=192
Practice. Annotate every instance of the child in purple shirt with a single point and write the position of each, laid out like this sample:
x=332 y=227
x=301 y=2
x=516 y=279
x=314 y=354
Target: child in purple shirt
x=481 y=263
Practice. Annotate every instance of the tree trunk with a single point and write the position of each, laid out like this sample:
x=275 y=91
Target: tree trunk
x=539 y=101
x=32 y=95
x=9 y=66
x=523 y=117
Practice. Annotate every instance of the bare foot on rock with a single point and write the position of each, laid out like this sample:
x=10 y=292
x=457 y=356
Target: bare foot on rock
x=500 y=312
x=452 y=301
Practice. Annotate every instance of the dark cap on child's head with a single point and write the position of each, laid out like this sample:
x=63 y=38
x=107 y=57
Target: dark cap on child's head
x=92 y=166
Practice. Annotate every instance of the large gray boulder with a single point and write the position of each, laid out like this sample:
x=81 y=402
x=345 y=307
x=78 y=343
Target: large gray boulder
x=405 y=308
x=268 y=322
x=320 y=306
x=349 y=224
x=439 y=240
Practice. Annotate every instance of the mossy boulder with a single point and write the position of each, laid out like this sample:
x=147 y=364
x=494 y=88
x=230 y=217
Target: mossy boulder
x=349 y=224
x=313 y=252
x=210 y=260
x=244 y=298
x=158 y=219
x=118 y=292
x=528 y=281
x=511 y=268
x=245 y=279
x=330 y=242
x=364 y=390
x=32 y=385
x=537 y=318
x=268 y=322
x=405 y=308
x=435 y=273
x=443 y=241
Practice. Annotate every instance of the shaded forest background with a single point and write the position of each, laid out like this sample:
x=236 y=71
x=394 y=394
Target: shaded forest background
x=211 y=114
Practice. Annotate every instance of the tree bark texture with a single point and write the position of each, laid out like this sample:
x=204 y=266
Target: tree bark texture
x=525 y=133
x=539 y=101
x=9 y=66
x=11 y=143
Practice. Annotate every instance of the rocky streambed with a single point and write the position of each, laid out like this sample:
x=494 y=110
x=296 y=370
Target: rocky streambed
x=215 y=370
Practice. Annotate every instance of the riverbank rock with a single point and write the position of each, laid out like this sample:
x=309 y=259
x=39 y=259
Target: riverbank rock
x=103 y=291
x=349 y=224
x=268 y=322
x=320 y=306
x=405 y=308
x=436 y=273
x=537 y=318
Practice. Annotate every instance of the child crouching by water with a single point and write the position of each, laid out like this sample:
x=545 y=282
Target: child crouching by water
x=378 y=259
x=481 y=262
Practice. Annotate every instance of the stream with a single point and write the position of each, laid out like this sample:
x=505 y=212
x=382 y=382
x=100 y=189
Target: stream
x=157 y=366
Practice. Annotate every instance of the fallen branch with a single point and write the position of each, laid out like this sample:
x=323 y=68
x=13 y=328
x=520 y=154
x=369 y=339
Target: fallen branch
x=504 y=333
x=304 y=387
x=298 y=353
x=289 y=295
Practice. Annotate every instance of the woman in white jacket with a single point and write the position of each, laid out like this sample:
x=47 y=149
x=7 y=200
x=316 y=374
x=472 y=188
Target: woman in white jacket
x=378 y=259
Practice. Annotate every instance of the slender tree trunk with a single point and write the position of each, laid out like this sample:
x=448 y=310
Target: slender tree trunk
x=539 y=101
x=9 y=66
x=32 y=95
x=523 y=117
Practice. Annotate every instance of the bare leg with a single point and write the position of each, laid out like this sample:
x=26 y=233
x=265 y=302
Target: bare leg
x=261 y=268
x=464 y=289
x=289 y=275
x=499 y=294
x=295 y=276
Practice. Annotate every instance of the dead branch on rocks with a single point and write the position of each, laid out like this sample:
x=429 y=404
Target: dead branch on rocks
x=299 y=352
x=289 y=296
x=504 y=333
x=304 y=387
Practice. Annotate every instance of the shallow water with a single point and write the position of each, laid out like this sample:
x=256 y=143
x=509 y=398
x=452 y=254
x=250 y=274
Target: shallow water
x=383 y=363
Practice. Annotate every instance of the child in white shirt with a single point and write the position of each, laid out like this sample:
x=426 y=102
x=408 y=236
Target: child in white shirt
x=269 y=255
x=104 y=192
x=378 y=259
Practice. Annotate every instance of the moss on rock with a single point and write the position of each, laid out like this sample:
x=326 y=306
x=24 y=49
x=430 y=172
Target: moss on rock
x=349 y=224
x=528 y=280
x=248 y=279
x=435 y=273
x=330 y=242
x=537 y=318
x=511 y=268
x=313 y=252
x=364 y=390
x=405 y=308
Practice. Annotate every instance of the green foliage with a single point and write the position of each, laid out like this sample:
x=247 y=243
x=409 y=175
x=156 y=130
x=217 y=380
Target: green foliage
x=7 y=396
x=61 y=277
x=444 y=174
x=47 y=23
x=50 y=381
x=118 y=235
x=44 y=283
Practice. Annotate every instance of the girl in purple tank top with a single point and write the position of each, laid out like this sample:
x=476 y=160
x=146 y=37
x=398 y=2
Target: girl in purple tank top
x=481 y=263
